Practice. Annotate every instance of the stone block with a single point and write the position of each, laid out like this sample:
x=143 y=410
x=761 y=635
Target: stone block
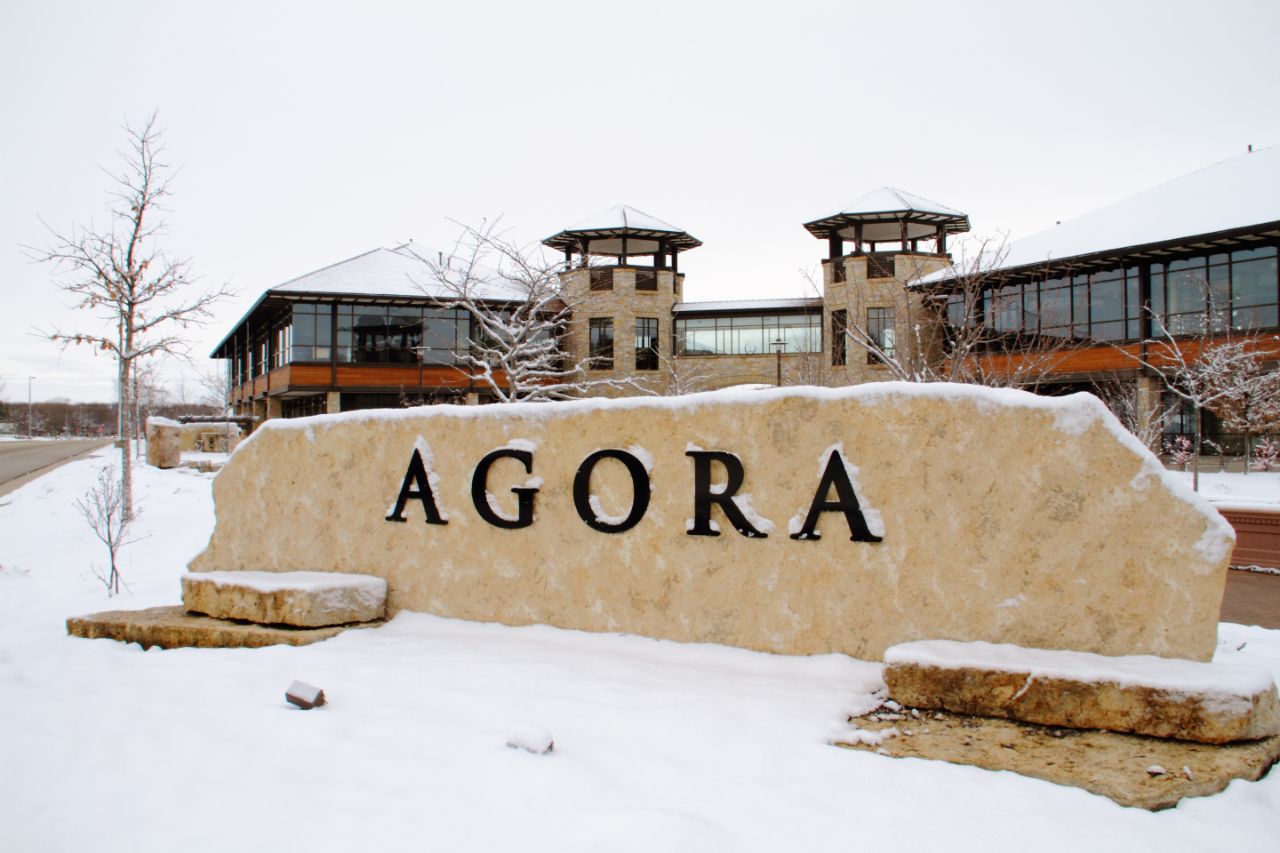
x=164 y=443
x=1142 y=694
x=994 y=515
x=300 y=599
x=174 y=628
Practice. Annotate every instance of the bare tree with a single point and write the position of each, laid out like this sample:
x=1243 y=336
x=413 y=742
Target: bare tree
x=950 y=331
x=140 y=294
x=1208 y=368
x=105 y=509
x=1248 y=398
x=518 y=315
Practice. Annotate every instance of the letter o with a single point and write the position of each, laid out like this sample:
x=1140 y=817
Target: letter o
x=640 y=487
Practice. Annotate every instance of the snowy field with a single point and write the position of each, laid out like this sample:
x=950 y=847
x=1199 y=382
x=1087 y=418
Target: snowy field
x=658 y=746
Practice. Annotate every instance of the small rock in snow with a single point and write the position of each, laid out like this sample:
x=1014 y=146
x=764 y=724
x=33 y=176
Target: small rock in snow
x=304 y=695
x=531 y=738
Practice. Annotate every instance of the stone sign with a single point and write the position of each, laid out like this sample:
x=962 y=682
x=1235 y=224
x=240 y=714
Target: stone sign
x=795 y=521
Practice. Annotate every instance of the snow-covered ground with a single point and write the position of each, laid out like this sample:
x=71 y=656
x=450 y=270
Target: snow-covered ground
x=1257 y=489
x=658 y=745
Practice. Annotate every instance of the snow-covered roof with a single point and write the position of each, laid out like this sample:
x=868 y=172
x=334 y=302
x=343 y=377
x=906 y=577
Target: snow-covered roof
x=398 y=273
x=624 y=217
x=760 y=305
x=1237 y=193
x=894 y=200
x=879 y=216
x=606 y=230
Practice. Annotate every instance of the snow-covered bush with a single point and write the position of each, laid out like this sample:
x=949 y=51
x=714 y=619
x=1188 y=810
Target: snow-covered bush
x=1179 y=451
x=1266 y=455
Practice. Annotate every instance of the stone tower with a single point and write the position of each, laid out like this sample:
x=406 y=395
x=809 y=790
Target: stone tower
x=897 y=238
x=622 y=311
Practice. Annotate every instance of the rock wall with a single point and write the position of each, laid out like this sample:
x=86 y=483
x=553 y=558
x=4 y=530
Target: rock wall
x=946 y=512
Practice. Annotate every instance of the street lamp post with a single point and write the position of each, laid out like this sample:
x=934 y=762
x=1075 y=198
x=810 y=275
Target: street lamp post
x=30 y=420
x=778 y=346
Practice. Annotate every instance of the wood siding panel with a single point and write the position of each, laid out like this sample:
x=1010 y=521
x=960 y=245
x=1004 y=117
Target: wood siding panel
x=309 y=374
x=1257 y=537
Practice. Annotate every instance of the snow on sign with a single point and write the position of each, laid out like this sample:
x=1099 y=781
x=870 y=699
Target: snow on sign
x=796 y=521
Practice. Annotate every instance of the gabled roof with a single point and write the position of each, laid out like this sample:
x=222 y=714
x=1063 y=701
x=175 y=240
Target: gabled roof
x=1216 y=205
x=379 y=274
x=880 y=213
x=384 y=272
x=605 y=231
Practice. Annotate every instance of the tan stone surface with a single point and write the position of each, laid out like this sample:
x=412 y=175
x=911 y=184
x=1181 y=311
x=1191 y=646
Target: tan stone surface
x=164 y=443
x=173 y=628
x=1027 y=522
x=1104 y=763
x=1204 y=717
x=297 y=599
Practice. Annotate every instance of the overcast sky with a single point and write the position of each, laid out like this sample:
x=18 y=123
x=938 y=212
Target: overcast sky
x=308 y=133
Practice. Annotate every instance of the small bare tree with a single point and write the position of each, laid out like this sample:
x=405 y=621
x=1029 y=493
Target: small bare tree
x=1210 y=369
x=1248 y=398
x=108 y=515
x=140 y=293
x=518 y=315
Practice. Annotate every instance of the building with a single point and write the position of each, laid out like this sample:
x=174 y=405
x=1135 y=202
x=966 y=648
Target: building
x=1193 y=260
x=1197 y=253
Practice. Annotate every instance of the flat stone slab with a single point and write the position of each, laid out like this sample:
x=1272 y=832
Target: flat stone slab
x=174 y=628
x=298 y=599
x=1159 y=697
x=1105 y=763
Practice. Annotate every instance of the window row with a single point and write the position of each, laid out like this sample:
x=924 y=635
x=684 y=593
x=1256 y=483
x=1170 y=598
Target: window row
x=751 y=334
x=380 y=334
x=1237 y=290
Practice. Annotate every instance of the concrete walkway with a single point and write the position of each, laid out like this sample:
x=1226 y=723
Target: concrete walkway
x=1252 y=598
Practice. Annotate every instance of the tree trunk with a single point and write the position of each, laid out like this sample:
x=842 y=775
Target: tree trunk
x=1248 y=450
x=1195 y=456
x=126 y=439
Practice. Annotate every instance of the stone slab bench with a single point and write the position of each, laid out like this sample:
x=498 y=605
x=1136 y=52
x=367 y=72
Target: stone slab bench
x=1142 y=694
x=299 y=599
x=173 y=628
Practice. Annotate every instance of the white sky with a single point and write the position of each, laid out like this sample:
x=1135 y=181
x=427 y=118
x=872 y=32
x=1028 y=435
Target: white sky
x=307 y=133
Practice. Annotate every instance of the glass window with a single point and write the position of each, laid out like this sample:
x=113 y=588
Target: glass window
x=404 y=335
x=1007 y=309
x=1254 y=289
x=1055 y=309
x=312 y=333
x=880 y=329
x=747 y=334
x=601 y=334
x=646 y=343
x=447 y=332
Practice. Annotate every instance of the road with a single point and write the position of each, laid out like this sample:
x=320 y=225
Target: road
x=21 y=461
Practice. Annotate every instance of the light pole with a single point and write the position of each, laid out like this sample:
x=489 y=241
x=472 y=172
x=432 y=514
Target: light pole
x=30 y=379
x=778 y=346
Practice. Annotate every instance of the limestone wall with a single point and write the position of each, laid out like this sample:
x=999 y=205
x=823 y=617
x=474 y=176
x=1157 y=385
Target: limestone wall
x=1001 y=516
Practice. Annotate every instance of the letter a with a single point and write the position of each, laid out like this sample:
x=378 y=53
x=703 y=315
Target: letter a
x=847 y=502
x=416 y=485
